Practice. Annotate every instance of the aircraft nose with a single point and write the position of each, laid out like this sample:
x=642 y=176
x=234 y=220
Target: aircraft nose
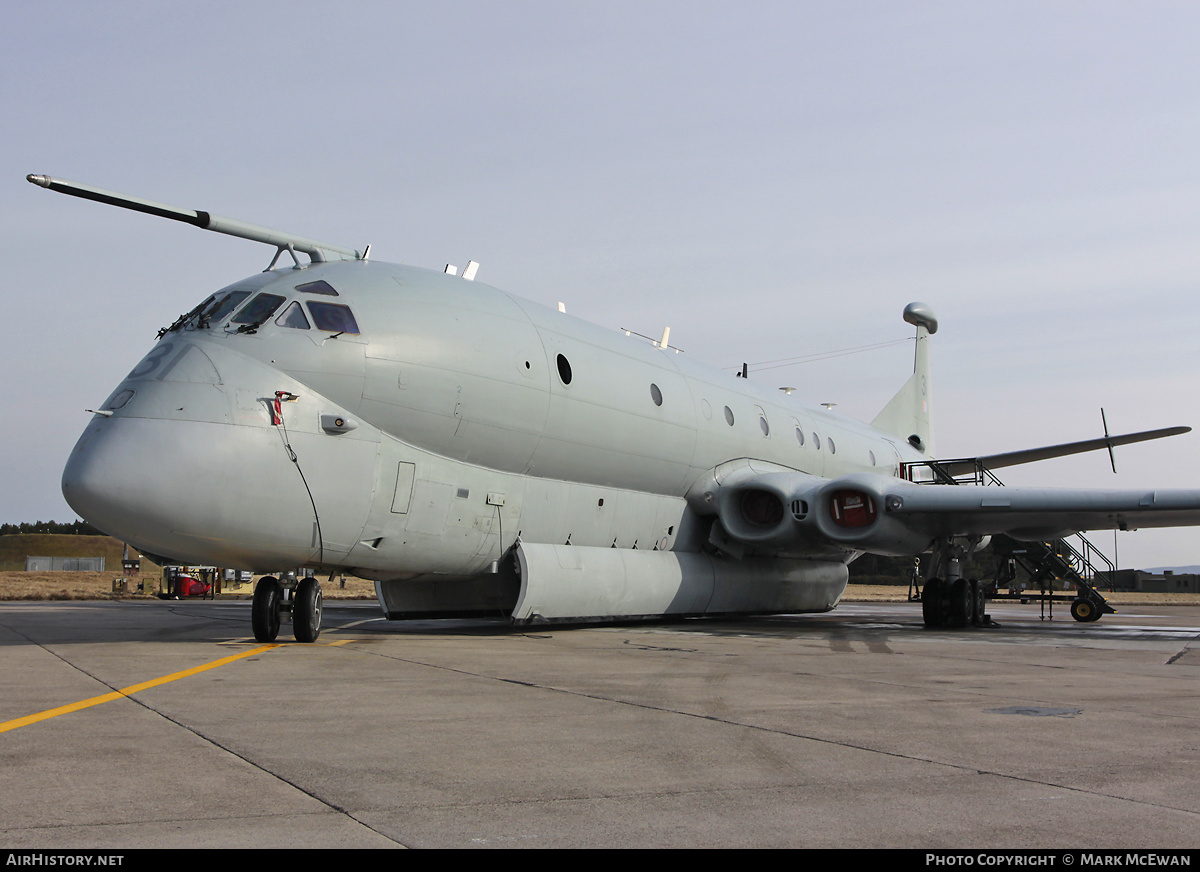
x=192 y=473
x=100 y=479
x=135 y=478
x=122 y=474
x=191 y=465
x=198 y=492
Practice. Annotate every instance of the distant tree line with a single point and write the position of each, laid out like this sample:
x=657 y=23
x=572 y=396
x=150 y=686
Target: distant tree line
x=79 y=528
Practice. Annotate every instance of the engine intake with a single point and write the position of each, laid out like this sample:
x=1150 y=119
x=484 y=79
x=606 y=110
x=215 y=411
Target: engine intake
x=851 y=508
x=854 y=516
x=760 y=508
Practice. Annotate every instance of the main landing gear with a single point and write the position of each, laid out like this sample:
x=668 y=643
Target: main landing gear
x=300 y=601
x=958 y=602
x=954 y=601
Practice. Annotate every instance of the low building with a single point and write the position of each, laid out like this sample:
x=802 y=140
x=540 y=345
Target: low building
x=1149 y=582
x=64 y=564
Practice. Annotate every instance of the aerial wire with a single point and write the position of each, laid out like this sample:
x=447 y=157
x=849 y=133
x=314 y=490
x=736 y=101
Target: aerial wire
x=782 y=362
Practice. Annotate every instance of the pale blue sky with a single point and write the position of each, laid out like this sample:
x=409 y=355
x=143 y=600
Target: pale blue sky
x=769 y=179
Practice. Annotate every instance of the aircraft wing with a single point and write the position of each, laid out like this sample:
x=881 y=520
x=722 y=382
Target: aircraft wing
x=791 y=512
x=1038 y=513
x=1030 y=455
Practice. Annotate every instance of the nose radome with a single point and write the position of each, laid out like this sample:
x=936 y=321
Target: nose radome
x=196 y=491
x=102 y=478
x=179 y=471
x=190 y=466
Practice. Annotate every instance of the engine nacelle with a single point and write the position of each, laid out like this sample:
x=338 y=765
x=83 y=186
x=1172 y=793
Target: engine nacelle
x=853 y=511
x=768 y=510
x=794 y=511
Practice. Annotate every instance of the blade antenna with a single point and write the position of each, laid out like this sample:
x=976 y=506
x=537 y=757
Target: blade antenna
x=1108 y=441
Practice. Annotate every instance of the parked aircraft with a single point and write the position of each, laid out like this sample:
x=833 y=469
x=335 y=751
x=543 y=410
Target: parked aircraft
x=473 y=452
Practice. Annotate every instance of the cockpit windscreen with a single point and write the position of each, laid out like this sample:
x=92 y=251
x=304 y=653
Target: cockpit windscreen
x=258 y=310
x=333 y=316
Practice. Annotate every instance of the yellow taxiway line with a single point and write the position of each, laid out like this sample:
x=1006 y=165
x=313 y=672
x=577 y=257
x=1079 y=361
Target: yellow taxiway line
x=127 y=691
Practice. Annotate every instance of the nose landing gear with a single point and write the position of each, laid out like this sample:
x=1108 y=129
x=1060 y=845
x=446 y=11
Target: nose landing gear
x=306 y=610
x=264 y=611
x=301 y=602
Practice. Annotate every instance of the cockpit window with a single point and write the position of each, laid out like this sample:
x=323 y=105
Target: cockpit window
x=317 y=287
x=258 y=310
x=191 y=319
x=226 y=306
x=201 y=317
x=293 y=316
x=204 y=307
x=334 y=317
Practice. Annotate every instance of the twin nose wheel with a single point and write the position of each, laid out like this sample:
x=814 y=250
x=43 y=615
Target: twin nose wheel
x=271 y=600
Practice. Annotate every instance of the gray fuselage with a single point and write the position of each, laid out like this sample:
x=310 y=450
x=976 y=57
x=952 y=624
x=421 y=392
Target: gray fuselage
x=456 y=420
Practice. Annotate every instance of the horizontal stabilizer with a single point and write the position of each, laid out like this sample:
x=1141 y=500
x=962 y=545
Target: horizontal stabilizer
x=1030 y=455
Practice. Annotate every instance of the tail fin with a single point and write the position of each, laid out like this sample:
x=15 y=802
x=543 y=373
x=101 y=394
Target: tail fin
x=909 y=414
